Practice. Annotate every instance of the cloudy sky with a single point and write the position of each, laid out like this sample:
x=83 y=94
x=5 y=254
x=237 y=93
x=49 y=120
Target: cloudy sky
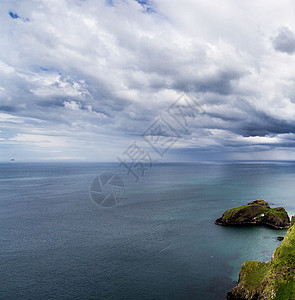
x=84 y=79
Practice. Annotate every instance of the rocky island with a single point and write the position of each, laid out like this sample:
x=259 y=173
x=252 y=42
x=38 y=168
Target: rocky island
x=272 y=280
x=257 y=212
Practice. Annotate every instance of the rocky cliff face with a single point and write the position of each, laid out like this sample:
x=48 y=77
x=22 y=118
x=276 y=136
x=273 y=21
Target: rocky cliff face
x=256 y=212
x=272 y=280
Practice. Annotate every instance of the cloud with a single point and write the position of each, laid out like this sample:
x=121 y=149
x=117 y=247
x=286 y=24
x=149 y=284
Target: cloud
x=285 y=41
x=98 y=73
x=72 y=105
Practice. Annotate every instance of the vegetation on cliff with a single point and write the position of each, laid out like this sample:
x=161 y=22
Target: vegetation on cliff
x=272 y=280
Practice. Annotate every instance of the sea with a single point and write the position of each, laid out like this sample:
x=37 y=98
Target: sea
x=157 y=241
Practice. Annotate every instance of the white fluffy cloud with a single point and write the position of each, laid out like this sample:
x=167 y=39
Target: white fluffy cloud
x=97 y=73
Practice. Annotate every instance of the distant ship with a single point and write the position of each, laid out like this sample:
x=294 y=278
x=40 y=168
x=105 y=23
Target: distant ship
x=12 y=159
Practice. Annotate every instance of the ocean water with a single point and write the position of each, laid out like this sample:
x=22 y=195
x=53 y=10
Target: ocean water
x=159 y=242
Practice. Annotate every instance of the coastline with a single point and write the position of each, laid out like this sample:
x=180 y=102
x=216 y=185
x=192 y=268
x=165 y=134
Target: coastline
x=264 y=280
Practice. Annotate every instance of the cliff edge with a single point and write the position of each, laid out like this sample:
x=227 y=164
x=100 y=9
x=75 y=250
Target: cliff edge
x=272 y=280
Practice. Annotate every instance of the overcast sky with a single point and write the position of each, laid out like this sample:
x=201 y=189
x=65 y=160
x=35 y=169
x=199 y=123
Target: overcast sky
x=83 y=80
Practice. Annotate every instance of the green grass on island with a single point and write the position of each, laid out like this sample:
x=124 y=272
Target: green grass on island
x=256 y=212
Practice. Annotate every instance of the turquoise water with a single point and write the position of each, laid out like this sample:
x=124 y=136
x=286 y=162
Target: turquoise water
x=160 y=242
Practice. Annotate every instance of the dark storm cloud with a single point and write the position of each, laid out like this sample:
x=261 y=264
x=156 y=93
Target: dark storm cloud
x=220 y=83
x=285 y=41
x=263 y=125
x=7 y=108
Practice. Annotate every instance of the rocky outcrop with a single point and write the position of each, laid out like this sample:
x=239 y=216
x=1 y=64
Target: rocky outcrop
x=257 y=212
x=272 y=280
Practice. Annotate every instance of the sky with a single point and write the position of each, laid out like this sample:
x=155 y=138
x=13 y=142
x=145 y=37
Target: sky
x=85 y=80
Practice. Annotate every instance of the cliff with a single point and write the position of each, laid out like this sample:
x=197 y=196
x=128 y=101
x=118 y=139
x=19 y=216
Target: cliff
x=272 y=280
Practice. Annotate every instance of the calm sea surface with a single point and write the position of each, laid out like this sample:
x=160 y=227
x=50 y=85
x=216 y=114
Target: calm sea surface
x=160 y=242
